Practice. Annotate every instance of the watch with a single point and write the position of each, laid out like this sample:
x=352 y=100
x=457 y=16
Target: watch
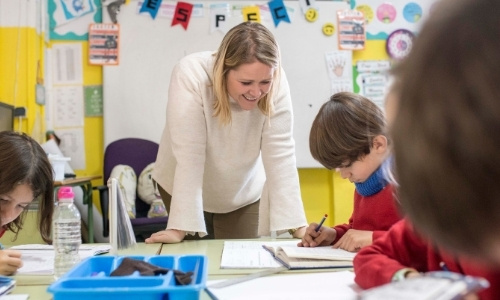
x=399 y=43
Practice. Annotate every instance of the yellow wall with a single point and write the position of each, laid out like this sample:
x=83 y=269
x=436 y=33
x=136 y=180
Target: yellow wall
x=325 y=192
x=18 y=73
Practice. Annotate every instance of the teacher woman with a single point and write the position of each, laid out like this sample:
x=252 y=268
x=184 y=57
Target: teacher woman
x=226 y=165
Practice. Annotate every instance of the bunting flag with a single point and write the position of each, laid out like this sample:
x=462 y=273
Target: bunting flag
x=251 y=13
x=278 y=11
x=219 y=14
x=182 y=14
x=151 y=7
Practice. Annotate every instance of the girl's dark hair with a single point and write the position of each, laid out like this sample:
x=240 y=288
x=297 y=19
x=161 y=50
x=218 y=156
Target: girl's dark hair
x=23 y=161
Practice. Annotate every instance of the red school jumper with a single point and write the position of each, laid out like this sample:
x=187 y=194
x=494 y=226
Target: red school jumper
x=402 y=248
x=376 y=213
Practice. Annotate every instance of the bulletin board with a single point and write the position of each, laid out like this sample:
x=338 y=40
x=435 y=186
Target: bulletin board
x=135 y=91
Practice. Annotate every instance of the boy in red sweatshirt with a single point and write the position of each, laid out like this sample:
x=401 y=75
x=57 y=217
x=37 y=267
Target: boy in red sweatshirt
x=349 y=135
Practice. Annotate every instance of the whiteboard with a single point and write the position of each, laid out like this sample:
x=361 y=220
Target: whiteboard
x=135 y=91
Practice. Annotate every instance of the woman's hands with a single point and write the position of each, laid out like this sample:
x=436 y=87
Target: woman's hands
x=10 y=261
x=167 y=236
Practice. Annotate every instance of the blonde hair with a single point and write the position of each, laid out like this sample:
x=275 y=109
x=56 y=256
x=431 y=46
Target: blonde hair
x=245 y=43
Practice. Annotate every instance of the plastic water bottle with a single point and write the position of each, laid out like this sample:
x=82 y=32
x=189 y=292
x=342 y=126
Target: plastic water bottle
x=66 y=232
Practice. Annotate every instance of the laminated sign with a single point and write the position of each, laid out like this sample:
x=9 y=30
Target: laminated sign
x=104 y=44
x=351 y=28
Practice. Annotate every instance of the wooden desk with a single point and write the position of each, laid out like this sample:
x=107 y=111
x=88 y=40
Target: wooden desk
x=86 y=184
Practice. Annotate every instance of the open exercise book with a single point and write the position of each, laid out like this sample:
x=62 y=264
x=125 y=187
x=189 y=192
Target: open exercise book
x=294 y=257
x=273 y=254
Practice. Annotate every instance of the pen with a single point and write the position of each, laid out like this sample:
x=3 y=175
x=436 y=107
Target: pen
x=321 y=223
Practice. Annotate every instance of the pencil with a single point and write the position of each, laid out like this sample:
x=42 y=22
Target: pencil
x=321 y=223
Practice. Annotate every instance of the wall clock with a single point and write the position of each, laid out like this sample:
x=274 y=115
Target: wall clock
x=399 y=43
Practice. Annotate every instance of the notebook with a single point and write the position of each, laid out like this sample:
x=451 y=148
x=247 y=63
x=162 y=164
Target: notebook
x=294 y=257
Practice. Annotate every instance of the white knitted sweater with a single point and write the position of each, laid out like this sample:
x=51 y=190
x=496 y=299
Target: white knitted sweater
x=208 y=166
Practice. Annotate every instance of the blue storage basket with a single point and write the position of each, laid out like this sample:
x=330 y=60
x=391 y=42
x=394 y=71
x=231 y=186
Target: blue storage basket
x=90 y=279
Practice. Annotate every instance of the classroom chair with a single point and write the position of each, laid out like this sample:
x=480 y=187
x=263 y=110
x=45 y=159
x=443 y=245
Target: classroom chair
x=136 y=153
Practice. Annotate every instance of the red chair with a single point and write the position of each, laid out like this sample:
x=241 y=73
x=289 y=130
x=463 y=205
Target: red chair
x=136 y=153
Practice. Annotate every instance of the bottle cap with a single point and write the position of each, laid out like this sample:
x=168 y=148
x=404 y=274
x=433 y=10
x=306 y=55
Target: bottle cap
x=65 y=192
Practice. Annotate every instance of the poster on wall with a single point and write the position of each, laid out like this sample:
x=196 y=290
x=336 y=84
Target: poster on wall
x=383 y=17
x=338 y=64
x=351 y=30
x=68 y=20
x=104 y=44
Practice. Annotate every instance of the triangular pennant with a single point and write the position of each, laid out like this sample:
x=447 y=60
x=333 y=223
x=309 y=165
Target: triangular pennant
x=182 y=14
x=151 y=7
x=219 y=14
x=251 y=13
x=278 y=11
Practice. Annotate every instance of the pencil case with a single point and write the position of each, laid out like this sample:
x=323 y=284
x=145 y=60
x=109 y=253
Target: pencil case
x=91 y=279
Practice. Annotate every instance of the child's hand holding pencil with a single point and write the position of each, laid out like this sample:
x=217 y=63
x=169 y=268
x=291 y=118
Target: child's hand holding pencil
x=317 y=235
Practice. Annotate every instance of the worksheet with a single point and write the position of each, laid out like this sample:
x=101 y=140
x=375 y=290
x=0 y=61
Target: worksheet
x=38 y=259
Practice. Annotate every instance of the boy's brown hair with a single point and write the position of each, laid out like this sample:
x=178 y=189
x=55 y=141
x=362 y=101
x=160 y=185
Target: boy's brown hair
x=344 y=129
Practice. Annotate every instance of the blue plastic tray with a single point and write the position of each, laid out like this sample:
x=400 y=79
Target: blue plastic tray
x=90 y=279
